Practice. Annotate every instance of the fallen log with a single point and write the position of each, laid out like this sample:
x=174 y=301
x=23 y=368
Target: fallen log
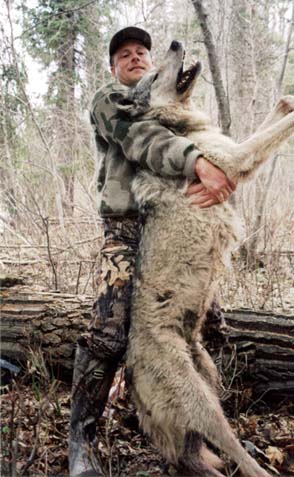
x=50 y=322
x=259 y=351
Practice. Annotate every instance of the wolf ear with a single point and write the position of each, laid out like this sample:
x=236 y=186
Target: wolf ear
x=123 y=102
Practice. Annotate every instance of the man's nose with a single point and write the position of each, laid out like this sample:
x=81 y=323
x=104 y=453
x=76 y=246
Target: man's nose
x=135 y=57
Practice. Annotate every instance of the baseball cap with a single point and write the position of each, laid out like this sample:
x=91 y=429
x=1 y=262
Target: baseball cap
x=129 y=33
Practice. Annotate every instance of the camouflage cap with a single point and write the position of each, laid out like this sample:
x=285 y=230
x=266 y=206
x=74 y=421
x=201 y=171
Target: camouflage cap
x=129 y=33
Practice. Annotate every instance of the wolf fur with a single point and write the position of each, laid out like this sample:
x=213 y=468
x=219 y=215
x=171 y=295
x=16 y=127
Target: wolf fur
x=183 y=252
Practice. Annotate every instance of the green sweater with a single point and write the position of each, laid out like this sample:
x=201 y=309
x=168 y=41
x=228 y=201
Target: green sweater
x=125 y=145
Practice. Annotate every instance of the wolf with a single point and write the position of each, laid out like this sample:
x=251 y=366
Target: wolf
x=183 y=252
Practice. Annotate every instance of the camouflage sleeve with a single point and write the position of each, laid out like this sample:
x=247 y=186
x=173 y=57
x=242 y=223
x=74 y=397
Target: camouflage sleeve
x=146 y=142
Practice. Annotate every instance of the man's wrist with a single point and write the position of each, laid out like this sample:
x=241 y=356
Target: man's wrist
x=198 y=165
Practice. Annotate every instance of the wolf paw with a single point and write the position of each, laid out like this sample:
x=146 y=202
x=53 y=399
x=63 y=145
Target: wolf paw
x=198 y=468
x=260 y=473
x=286 y=104
x=256 y=472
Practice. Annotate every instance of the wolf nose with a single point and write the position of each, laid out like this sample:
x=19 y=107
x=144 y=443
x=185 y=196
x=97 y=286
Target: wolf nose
x=175 y=45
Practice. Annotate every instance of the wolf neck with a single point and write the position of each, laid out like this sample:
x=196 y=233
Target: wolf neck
x=181 y=118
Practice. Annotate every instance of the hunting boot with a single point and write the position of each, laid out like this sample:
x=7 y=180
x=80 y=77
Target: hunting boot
x=91 y=383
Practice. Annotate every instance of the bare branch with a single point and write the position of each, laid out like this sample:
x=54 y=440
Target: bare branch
x=58 y=180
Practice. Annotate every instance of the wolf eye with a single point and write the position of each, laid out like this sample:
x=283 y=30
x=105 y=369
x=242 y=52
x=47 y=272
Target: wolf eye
x=155 y=78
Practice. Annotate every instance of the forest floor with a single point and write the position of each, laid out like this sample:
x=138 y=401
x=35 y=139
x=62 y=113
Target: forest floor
x=34 y=433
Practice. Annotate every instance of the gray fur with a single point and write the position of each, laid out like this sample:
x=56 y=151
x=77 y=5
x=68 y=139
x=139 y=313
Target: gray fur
x=183 y=252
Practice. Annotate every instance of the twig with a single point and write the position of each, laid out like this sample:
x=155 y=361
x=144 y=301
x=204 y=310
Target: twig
x=57 y=179
x=23 y=262
x=206 y=80
x=11 y=436
x=108 y=445
x=26 y=246
x=91 y=272
x=46 y=224
x=236 y=470
x=80 y=242
x=78 y=279
x=18 y=235
x=14 y=454
x=256 y=401
x=44 y=404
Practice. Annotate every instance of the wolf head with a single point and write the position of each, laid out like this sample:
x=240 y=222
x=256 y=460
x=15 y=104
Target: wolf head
x=161 y=87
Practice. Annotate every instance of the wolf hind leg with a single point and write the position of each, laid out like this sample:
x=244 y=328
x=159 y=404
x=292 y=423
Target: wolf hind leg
x=205 y=365
x=196 y=459
x=174 y=399
x=196 y=408
x=213 y=425
x=188 y=454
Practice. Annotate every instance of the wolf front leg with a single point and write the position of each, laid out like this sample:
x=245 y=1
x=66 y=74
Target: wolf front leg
x=284 y=106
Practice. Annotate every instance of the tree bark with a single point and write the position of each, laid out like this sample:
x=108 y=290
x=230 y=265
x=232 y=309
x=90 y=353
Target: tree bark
x=221 y=97
x=50 y=322
x=65 y=106
x=259 y=351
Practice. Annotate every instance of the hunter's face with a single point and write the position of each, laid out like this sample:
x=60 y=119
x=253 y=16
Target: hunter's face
x=130 y=62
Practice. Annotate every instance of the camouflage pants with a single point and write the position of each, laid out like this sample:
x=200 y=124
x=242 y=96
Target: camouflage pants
x=111 y=311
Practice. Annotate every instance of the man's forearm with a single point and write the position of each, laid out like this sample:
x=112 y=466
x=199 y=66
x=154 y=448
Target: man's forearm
x=156 y=148
x=147 y=143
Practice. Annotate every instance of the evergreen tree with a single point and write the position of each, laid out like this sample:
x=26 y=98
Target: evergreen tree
x=57 y=32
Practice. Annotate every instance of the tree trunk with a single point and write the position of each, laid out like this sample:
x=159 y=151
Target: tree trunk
x=259 y=351
x=65 y=108
x=214 y=65
x=244 y=82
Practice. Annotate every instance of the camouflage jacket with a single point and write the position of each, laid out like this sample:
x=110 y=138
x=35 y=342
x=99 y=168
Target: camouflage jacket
x=125 y=144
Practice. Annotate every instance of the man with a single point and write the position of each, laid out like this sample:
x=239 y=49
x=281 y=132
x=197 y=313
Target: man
x=126 y=145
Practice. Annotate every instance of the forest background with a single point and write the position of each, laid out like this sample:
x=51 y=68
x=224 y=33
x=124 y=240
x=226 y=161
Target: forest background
x=54 y=56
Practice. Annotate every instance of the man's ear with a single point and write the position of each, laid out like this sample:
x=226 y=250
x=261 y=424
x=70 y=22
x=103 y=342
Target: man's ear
x=123 y=102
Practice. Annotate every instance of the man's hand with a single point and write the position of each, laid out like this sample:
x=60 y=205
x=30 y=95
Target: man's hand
x=214 y=188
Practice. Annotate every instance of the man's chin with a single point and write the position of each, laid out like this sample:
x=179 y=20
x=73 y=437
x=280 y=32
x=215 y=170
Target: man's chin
x=136 y=76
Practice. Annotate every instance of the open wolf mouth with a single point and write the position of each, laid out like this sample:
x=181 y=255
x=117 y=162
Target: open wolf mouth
x=186 y=78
